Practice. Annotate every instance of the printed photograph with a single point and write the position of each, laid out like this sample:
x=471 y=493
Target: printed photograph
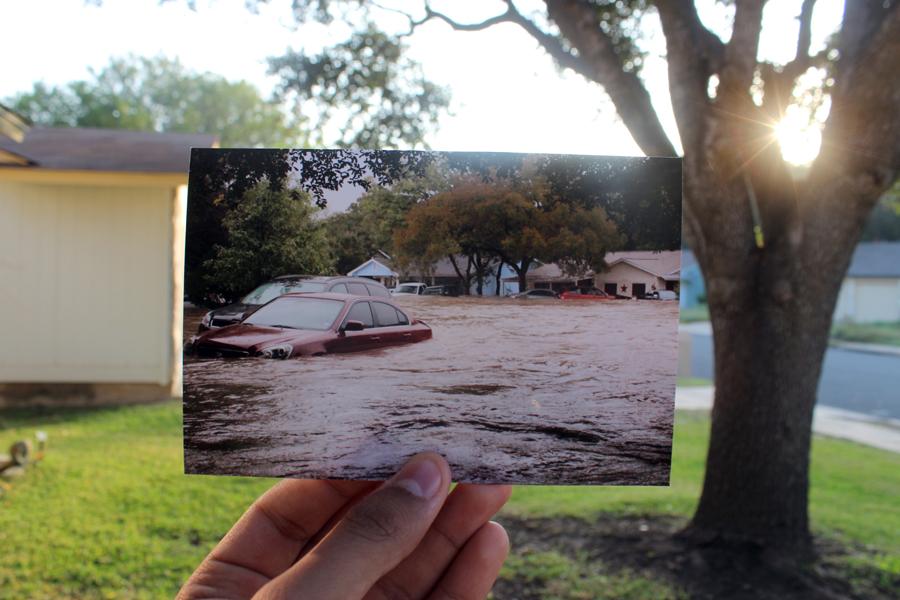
x=516 y=313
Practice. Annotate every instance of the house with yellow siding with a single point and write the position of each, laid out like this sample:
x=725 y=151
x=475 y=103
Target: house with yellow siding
x=633 y=273
x=91 y=255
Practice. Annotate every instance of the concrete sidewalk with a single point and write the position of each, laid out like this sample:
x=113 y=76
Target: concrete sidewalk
x=828 y=421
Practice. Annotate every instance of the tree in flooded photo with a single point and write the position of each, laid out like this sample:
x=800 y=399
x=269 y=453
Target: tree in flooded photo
x=220 y=178
x=367 y=227
x=479 y=226
x=272 y=231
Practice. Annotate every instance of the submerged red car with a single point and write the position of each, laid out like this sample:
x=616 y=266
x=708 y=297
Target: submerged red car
x=589 y=294
x=306 y=324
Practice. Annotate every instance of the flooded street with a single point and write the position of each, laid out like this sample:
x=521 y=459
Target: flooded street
x=524 y=391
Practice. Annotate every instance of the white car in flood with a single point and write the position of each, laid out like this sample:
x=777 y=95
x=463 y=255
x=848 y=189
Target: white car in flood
x=409 y=289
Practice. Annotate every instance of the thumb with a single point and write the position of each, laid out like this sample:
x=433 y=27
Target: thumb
x=372 y=538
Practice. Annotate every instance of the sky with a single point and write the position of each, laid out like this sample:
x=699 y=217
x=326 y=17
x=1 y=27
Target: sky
x=507 y=94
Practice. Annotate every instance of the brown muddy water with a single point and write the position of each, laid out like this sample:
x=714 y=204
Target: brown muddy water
x=507 y=390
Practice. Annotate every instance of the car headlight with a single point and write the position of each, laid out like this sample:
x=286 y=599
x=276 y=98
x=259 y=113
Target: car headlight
x=207 y=319
x=279 y=351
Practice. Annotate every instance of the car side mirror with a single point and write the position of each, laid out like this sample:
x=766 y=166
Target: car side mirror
x=353 y=326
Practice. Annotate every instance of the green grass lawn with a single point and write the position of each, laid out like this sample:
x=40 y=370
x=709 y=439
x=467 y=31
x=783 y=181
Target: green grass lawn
x=108 y=513
x=868 y=333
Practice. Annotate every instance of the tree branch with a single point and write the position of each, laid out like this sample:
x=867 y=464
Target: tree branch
x=564 y=58
x=861 y=140
x=688 y=76
x=683 y=14
x=688 y=83
x=740 y=53
x=595 y=60
x=778 y=84
x=579 y=24
x=804 y=36
x=433 y=14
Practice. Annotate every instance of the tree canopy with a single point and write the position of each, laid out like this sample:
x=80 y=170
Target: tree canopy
x=270 y=232
x=161 y=94
x=516 y=223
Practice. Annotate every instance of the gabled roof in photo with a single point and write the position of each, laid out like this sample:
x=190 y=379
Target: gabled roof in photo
x=373 y=268
x=85 y=149
x=665 y=264
x=875 y=259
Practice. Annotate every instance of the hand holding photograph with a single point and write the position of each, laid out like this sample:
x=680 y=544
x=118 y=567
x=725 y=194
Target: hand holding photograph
x=516 y=313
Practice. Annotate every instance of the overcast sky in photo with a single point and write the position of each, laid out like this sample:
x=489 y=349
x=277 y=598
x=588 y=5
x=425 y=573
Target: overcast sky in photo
x=507 y=94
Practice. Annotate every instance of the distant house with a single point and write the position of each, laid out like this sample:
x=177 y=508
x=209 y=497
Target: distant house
x=442 y=272
x=639 y=272
x=692 y=288
x=379 y=269
x=633 y=273
x=871 y=290
x=91 y=261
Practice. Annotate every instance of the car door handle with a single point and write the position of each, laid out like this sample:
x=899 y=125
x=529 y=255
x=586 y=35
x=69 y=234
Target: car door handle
x=375 y=338
x=407 y=335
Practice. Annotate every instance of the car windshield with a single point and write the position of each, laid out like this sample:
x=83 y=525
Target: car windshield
x=273 y=289
x=297 y=313
x=407 y=289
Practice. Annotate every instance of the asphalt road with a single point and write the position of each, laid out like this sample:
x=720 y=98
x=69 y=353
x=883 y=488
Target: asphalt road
x=859 y=381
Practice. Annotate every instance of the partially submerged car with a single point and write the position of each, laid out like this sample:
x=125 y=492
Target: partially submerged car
x=286 y=284
x=310 y=324
x=441 y=290
x=661 y=295
x=537 y=294
x=410 y=288
x=586 y=294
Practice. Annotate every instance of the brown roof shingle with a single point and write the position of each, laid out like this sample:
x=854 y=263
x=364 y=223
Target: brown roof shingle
x=86 y=149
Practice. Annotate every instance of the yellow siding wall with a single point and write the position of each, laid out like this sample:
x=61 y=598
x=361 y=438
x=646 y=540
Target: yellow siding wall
x=86 y=283
x=623 y=273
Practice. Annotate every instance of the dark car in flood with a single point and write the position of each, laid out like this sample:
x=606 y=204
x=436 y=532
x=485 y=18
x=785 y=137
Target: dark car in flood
x=310 y=324
x=233 y=313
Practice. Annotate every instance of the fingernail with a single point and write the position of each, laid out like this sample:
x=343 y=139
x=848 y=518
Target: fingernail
x=421 y=477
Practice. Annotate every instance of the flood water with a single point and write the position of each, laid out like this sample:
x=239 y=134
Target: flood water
x=523 y=391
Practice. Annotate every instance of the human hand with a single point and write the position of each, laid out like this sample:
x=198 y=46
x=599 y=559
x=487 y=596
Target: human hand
x=351 y=540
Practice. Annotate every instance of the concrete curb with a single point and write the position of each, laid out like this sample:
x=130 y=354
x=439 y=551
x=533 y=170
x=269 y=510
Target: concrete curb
x=831 y=422
x=705 y=328
x=868 y=348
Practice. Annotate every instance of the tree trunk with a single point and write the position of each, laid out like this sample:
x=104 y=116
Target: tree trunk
x=465 y=279
x=767 y=364
x=499 y=277
x=770 y=308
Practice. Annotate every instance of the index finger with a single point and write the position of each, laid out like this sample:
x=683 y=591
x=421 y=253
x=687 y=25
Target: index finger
x=270 y=535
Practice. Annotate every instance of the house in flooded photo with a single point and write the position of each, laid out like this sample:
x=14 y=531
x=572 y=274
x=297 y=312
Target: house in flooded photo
x=640 y=272
x=378 y=268
x=441 y=273
x=633 y=274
